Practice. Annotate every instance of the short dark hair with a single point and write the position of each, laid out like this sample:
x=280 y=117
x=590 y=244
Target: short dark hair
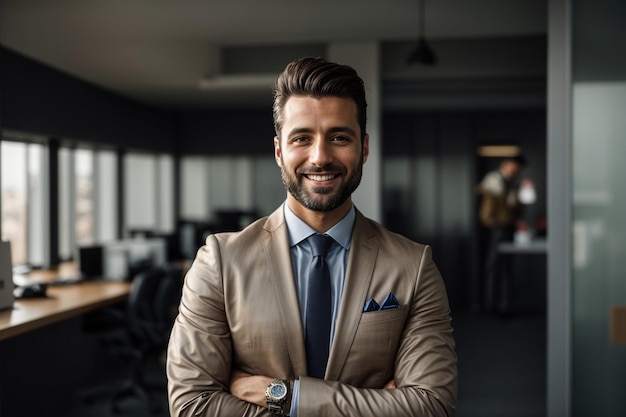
x=518 y=159
x=316 y=77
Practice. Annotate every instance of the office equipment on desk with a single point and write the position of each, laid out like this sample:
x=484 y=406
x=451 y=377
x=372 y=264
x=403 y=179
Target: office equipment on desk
x=121 y=259
x=172 y=240
x=89 y=261
x=193 y=233
x=38 y=290
x=65 y=273
x=6 y=276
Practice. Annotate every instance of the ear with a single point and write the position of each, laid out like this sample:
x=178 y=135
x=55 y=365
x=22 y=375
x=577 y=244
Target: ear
x=277 y=151
x=366 y=147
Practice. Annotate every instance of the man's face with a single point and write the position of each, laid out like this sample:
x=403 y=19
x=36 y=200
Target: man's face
x=511 y=169
x=320 y=152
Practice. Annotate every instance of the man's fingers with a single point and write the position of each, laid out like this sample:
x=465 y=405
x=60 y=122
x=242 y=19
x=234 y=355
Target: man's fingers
x=390 y=385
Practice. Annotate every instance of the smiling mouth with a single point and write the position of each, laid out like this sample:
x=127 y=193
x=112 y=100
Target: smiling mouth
x=320 y=177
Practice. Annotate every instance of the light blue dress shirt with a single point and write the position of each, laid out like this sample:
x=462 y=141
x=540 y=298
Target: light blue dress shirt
x=337 y=260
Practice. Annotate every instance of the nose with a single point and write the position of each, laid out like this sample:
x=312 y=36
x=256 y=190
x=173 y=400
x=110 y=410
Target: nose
x=320 y=153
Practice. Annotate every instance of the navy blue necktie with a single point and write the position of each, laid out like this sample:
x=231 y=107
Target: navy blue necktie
x=318 y=309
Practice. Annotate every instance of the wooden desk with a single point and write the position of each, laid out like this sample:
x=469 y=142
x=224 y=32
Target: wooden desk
x=42 y=341
x=63 y=302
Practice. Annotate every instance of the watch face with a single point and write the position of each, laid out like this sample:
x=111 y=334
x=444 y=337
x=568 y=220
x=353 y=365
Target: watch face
x=278 y=391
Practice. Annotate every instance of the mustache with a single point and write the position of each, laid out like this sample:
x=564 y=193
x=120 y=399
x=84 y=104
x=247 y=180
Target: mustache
x=317 y=170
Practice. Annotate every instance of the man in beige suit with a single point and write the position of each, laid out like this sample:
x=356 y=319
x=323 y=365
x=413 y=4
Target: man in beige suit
x=239 y=344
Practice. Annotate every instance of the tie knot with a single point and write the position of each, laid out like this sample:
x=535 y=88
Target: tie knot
x=320 y=244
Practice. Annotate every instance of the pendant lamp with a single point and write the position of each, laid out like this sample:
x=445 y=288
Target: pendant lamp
x=422 y=53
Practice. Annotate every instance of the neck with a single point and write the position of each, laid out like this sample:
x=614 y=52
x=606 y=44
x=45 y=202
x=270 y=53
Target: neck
x=320 y=221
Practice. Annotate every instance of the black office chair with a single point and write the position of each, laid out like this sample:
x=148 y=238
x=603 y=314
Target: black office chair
x=141 y=332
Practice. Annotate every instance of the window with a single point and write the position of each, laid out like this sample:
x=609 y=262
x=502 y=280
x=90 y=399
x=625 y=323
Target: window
x=25 y=205
x=210 y=184
x=149 y=192
x=87 y=198
x=105 y=196
x=14 y=199
x=66 y=197
x=83 y=171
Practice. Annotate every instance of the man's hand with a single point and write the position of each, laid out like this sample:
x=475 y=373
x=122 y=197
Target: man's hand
x=248 y=387
x=390 y=385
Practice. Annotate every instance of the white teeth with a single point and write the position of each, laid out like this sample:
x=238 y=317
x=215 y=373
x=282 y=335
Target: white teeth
x=325 y=177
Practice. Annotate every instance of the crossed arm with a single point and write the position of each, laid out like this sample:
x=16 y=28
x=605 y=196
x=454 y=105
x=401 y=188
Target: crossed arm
x=251 y=388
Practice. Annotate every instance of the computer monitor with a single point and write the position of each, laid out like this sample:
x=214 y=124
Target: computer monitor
x=90 y=261
x=123 y=259
x=6 y=276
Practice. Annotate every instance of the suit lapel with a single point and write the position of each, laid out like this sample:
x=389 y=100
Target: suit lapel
x=361 y=261
x=278 y=256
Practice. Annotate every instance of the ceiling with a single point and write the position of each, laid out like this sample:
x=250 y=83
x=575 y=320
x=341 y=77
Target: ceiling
x=157 y=51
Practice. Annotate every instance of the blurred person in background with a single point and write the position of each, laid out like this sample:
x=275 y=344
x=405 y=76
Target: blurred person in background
x=502 y=201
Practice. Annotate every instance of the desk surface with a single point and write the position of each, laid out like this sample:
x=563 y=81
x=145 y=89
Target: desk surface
x=536 y=246
x=65 y=271
x=62 y=302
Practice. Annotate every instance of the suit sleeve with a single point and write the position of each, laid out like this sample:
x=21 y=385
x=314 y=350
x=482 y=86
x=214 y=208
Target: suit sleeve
x=425 y=369
x=199 y=354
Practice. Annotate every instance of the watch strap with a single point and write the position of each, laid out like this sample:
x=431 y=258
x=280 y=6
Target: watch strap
x=275 y=408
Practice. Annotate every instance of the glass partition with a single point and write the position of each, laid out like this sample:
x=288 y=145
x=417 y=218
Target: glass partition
x=599 y=204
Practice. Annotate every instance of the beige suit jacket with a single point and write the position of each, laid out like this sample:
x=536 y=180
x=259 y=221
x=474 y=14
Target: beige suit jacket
x=240 y=310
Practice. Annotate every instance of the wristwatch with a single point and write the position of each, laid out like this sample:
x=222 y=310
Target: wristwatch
x=276 y=396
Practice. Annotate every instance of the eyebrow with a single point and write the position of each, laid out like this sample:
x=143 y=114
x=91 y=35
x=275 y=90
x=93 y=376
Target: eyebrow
x=336 y=129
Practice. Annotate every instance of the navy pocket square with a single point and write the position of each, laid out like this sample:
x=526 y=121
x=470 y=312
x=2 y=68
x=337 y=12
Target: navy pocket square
x=371 y=305
x=390 y=302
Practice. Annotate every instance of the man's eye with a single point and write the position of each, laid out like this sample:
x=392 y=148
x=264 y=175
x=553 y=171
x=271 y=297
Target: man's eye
x=299 y=139
x=340 y=138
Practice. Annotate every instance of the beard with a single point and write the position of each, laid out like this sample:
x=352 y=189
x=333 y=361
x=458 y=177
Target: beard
x=322 y=198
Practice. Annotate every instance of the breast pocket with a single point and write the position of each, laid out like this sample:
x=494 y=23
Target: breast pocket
x=373 y=353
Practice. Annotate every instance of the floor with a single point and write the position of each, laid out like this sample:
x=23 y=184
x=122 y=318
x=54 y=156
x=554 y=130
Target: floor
x=96 y=400
x=501 y=371
x=501 y=365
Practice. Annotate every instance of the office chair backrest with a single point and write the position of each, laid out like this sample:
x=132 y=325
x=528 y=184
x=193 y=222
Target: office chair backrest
x=142 y=333
x=140 y=300
x=167 y=296
x=153 y=300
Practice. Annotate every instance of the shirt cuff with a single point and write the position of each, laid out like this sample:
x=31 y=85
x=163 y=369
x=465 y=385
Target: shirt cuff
x=293 y=410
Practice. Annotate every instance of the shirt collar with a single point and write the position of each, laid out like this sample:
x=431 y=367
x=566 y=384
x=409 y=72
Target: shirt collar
x=298 y=230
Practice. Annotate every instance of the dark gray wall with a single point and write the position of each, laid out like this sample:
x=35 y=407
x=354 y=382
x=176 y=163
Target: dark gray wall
x=41 y=100
x=228 y=132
